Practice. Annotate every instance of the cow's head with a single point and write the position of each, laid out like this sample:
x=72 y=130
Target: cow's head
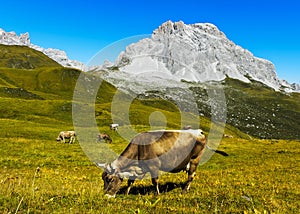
x=112 y=183
x=112 y=178
x=59 y=138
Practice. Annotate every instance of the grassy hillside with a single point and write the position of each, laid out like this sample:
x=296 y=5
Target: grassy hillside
x=44 y=96
x=262 y=112
x=49 y=83
x=256 y=109
x=23 y=57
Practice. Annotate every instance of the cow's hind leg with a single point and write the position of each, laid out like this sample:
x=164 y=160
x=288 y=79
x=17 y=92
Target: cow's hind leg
x=191 y=174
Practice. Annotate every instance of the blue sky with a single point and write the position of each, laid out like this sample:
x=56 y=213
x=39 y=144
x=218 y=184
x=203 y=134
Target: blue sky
x=269 y=29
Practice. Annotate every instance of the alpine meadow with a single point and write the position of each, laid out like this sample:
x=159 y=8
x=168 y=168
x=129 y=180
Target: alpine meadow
x=40 y=175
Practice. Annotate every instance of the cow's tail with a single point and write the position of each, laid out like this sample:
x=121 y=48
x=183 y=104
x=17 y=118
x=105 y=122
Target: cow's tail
x=217 y=151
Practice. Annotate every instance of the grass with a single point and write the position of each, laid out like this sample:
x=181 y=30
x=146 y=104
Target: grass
x=42 y=176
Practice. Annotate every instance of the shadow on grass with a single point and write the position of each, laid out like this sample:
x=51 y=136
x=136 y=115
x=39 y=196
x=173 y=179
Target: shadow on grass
x=145 y=190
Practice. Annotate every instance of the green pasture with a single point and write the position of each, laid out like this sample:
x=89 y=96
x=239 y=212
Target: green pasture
x=43 y=176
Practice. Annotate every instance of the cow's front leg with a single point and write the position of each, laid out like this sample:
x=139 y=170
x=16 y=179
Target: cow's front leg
x=154 y=167
x=129 y=184
x=155 y=183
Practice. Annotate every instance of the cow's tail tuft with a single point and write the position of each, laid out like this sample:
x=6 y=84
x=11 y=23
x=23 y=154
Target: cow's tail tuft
x=217 y=151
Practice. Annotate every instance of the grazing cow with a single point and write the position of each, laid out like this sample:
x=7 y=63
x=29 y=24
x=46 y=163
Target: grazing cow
x=104 y=136
x=66 y=135
x=114 y=126
x=187 y=127
x=227 y=136
x=169 y=151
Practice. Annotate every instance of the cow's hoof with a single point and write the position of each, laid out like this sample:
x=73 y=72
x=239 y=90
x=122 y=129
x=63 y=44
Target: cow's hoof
x=184 y=191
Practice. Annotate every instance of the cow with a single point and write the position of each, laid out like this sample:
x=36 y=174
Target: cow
x=104 y=136
x=227 y=136
x=114 y=126
x=187 y=127
x=62 y=136
x=154 y=151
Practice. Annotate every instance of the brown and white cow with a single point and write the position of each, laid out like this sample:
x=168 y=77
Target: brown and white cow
x=104 y=136
x=62 y=136
x=154 y=151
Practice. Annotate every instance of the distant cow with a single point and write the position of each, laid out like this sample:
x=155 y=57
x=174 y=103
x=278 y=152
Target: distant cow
x=114 y=126
x=227 y=136
x=71 y=135
x=169 y=151
x=104 y=136
x=187 y=127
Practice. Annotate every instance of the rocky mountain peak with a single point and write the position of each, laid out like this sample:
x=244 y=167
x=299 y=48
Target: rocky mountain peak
x=176 y=28
x=198 y=53
x=11 y=38
x=169 y=27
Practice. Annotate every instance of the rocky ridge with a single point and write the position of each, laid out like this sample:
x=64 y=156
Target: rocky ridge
x=11 y=38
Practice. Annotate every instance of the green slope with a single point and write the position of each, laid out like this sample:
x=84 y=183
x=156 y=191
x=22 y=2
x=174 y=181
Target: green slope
x=13 y=56
x=263 y=112
x=53 y=81
x=31 y=100
x=257 y=109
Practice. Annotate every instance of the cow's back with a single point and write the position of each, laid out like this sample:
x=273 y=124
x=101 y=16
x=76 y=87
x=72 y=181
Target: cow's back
x=172 y=150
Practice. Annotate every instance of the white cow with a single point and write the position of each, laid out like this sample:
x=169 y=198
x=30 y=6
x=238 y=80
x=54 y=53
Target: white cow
x=114 y=126
x=66 y=135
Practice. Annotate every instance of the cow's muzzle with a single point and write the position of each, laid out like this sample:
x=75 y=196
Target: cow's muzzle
x=110 y=196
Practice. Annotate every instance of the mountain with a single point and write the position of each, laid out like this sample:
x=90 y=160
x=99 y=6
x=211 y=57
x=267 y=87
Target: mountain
x=196 y=66
x=196 y=53
x=11 y=38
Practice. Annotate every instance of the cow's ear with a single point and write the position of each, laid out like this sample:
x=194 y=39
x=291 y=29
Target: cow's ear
x=104 y=166
x=125 y=174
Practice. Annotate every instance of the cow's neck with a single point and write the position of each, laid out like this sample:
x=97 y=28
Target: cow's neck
x=122 y=163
